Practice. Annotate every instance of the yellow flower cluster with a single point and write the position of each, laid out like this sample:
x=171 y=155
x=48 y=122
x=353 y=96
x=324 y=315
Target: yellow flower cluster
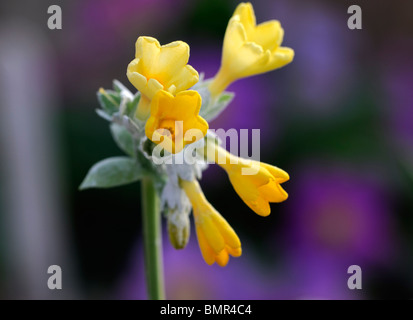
x=162 y=75
x=260 y=186
x=160 y=68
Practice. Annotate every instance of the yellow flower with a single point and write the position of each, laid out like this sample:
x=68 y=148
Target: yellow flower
x=157 y=67
x=249 y=49
x=256 y=183
x=217 y=240
x=175 y=121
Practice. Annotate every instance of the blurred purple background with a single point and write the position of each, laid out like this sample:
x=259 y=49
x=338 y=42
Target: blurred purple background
x=339 y=120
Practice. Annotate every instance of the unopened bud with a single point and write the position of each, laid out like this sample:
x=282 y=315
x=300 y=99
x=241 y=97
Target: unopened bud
x=179 y=229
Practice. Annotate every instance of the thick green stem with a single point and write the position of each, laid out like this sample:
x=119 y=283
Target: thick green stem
x=152 y=239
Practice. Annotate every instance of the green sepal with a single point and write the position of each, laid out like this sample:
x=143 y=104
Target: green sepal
x=133 y=105
x=109 y=101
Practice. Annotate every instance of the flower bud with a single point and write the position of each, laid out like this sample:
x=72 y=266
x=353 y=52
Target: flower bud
x=179 y=228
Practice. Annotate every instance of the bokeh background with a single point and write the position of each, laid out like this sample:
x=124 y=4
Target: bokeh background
x=339 y=120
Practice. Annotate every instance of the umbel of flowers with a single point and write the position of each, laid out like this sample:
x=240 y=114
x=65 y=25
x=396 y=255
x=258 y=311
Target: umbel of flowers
x=170 y=113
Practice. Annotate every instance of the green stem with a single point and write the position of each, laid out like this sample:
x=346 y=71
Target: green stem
x=152 y=239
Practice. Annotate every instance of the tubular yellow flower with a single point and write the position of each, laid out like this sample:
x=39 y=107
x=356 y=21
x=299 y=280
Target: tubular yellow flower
x=217 y=240
x=157 y=67
x=250 y=49
x=175 y=121
x=256 y=183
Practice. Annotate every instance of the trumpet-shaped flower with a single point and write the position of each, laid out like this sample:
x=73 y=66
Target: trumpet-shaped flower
x=250 y=49
x=217 y=240
x=175 y=121
x=256 y=183
x=157 y=67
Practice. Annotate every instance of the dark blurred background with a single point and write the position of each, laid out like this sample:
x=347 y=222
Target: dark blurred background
x=339 y=120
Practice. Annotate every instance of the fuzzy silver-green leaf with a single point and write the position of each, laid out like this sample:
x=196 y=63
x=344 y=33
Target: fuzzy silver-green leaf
x=123 y=139
x=113 y=172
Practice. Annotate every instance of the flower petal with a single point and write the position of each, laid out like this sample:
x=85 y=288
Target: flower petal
x=161 y=67
x=147 y=50
x=268 y=35
x=173 y=56
x=235 y=37
x=261 y=207
x=229 y=235
x=153 y=87
x=234 y=252
x=195 y=129
x=184 y=106
x=207 y=253
x=211 y=232
x=184 y=78
x=273 y=192
x=278 y=174
x=246 y=15
x=137 y=79
x=222 y=258
x=280 y=58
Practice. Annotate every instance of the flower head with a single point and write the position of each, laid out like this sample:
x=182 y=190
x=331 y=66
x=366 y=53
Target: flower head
x=157 y=67
x=250 y=49
x=175 y=121
x=217 y=240
x=258 y=190
x=256 y=183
